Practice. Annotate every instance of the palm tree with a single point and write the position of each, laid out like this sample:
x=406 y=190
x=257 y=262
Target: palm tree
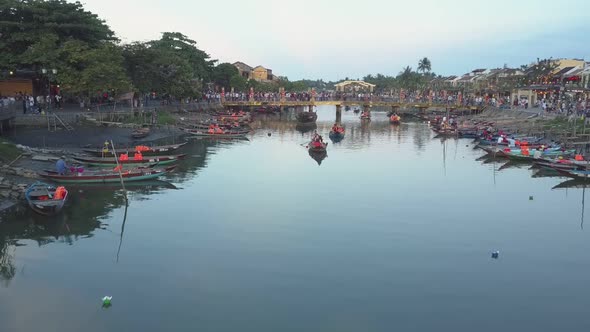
x=424 y=65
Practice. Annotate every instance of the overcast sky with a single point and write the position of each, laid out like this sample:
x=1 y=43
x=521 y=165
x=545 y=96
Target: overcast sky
x=336 y=39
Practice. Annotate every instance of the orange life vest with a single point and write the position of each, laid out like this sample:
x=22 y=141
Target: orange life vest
x=118 y=168
x=60 y=193
x=137 y=156
x=124 y=156
x=579 y=157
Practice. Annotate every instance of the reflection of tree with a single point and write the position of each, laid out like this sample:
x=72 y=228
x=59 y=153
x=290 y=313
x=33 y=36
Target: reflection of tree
x=421 y=136
x=81 y=216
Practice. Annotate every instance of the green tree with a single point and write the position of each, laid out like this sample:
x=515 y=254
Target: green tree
x=239 y=83
x=88 y=71
x=172 y=65
x=33 y=31
x=223 y=73
x=424 y=65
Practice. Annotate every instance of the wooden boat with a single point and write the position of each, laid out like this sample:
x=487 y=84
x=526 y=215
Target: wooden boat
x=140 y=132
x=519 y=155
x=307 y=117
x=225 y=134
x=320 y=147
x=395 y=119
x=46 y=199
x=149 y=160
x=145 y=150
x=138 y=174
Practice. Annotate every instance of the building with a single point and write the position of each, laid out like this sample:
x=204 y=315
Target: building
x=244 y=70
x=258 y=73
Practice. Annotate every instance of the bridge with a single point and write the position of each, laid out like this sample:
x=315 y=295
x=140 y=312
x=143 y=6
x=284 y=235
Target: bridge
x=337 y=103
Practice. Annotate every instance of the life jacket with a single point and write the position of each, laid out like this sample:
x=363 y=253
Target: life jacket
x=525 y=152
x=137 y=156
x=118 y=168
x=141 y=148
x=579 y=157
x=218 y=130
x=124 y=156
x=317 y=144
x=60 y=193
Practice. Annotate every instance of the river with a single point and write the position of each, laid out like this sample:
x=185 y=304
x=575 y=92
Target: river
x=393 y=231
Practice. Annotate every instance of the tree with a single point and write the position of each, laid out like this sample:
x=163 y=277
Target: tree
x=90 y=71
x=33 y=31
x=239 y=83
x=424 y=65
x=223 y=73
x=172 y=65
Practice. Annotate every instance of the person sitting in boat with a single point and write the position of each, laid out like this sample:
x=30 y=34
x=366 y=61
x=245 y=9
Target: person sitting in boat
x=60 y=166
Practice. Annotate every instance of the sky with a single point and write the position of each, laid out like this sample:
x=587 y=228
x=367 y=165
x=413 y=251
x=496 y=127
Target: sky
x=331 y=40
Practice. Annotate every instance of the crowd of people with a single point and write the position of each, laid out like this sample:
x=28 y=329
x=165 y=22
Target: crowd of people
x=29 y=103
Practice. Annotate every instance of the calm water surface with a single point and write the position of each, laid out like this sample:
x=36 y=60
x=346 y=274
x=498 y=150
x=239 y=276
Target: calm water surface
x=392 y=232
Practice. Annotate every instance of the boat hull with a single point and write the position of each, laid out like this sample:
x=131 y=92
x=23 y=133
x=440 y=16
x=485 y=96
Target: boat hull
x=110 y=177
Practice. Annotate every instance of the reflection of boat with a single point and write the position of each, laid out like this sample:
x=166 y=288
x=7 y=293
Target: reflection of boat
x=140 y=132
x=46 y=199
x=318 y=156
x=145 y=150
x=131 y=186
x=306 y=127
x=138 y=174
x=336 y=136
x=578 y=174
x=150 y=160
x=306 y=117
x=574 y=183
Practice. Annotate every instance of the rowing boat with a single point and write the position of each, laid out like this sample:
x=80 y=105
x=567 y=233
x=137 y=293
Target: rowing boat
x=145 y=150
x=138 y=174
x=46 y=199
x=306 y=117
x=149 y=160
x=336 y=136
x=317 y=146
x=225 y=134
x=140 y=132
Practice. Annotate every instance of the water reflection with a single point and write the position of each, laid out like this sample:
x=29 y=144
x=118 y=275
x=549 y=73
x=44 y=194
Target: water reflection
x=318 y=156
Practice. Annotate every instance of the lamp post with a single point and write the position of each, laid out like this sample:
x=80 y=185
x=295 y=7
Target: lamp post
x=48 y=74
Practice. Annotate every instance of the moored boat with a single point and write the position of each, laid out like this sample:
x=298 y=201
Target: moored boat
x=145 y=150
x=122 y=160
x=138 y=174
x=141 y=132
x=307 y=117
x=46 y=199
x=222 y=134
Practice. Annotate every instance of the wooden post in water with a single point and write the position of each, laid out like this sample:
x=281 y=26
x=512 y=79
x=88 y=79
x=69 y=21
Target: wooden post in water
x=119 y=168
x=338 y=113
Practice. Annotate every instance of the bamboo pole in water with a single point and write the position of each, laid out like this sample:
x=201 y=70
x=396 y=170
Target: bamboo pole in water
x=119 y=167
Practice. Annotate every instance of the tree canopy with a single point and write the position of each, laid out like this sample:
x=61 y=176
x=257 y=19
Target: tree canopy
x=33 y=31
